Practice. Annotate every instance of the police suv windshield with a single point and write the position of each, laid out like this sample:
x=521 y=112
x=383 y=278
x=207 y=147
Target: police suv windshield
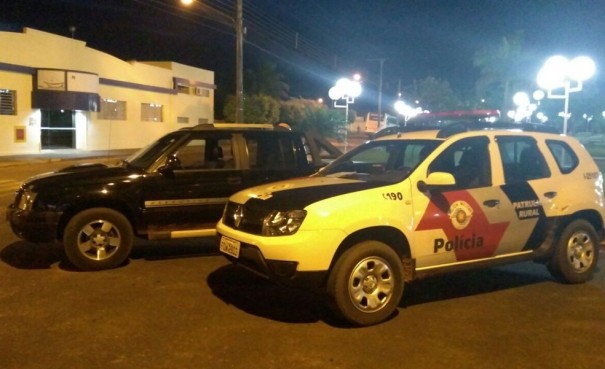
x=382 y=160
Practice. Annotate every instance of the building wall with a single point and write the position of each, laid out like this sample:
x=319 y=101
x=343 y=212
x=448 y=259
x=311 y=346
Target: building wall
x=134 y=83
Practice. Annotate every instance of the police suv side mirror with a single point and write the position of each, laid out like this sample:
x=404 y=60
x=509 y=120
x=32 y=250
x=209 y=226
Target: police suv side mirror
x=437 y=181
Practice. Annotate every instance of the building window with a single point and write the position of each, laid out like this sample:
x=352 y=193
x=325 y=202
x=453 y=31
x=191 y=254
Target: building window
x=151 y=112
x=8 y=102
x=182 y=89
x=203 y=92
x=112 y=109
x=202 y=120
x=183 y=120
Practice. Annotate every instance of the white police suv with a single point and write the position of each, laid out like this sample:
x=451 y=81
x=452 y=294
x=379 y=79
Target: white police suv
x=419 y=203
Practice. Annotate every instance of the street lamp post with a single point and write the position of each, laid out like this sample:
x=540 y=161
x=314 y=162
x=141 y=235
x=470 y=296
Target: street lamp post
x=238 y=23
x=525 y=108
x=406 y=111
x=345 y=90
x=558 y=74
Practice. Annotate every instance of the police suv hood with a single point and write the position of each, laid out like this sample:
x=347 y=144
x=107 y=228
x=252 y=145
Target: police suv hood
x=299 y=193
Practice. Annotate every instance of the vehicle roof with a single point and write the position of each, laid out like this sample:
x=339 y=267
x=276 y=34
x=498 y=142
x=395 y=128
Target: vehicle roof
x=471 y=129
x=448 y=127
x=236 y=126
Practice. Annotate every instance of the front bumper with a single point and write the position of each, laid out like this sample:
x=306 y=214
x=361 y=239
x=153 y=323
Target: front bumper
x=282 y=272
x=33 y=226
x=302 y=259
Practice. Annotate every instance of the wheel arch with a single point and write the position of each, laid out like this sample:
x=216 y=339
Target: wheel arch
x=391 y=236
x=591 y=216
x=114 y=204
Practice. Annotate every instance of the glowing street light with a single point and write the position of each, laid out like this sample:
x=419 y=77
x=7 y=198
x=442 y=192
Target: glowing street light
x=345 y=90
x=560 y=73
x=406 y=111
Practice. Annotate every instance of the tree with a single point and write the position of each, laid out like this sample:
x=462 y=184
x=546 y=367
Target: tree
x=501 y=69
x=264 y=88
x=303 y=114
x=257 y=109
x=435 y=94
x=266 y=80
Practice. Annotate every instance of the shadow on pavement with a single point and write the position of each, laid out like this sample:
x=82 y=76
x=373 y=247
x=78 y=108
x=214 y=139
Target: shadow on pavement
x=255 y=295
x=258 y=296
x=474 y=282
x=174 y=249
x=27 y=255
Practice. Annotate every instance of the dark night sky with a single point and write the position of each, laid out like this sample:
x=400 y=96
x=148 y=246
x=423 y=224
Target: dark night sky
x=316 y=41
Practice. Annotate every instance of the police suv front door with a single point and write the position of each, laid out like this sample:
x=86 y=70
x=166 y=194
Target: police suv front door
x=467 y=222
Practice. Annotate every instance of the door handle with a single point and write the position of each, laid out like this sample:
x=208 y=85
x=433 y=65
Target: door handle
x=550 y=194
x=491 y=203
x=234 y=180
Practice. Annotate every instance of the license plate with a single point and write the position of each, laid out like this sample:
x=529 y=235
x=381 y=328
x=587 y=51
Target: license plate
x=230 y=246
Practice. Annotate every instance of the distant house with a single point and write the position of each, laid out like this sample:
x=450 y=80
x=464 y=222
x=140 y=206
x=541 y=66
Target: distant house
x=55 y=92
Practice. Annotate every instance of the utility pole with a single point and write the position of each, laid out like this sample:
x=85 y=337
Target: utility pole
x=239 y=62
x=380 y=90
x=238 y=25
x=381 y=60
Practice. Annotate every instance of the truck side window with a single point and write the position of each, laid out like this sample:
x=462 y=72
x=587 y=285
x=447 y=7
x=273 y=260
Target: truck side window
x=206 y=153
x=275 y=152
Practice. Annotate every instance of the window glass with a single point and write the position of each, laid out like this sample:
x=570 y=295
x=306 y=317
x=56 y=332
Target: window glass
x=206 y=153
x=151 y=112
x=147 y=156
x=182 y=89
x=203 y=92
x=384 y=161
x=564 y=156
x=522 y=160
x=274 y=151
x=468 y=161
x=112 y=109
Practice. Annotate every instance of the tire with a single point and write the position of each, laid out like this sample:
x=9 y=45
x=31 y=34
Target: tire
x=97 y=239
x=576 y=253
x=366 y=283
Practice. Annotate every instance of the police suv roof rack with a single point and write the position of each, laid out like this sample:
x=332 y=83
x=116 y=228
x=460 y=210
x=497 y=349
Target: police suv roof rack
x=459 y=127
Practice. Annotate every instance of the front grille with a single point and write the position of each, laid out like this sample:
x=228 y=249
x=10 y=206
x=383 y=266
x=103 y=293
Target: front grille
x=243 y=218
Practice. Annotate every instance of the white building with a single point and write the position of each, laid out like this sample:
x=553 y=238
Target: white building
x=55 y=92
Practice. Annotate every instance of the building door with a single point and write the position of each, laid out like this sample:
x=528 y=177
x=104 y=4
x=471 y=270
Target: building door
x=58 y=129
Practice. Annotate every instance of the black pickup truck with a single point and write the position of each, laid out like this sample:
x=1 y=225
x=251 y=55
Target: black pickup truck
x=176 y=187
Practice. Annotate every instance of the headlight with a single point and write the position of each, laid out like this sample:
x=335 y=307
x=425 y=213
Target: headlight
x=26 y=201
x=283 y=223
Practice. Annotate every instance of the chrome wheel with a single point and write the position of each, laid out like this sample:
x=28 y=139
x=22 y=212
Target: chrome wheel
x=576 y=253
x=371 y=284
x=366 y=283
x=580 y=251
x=99 y=240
